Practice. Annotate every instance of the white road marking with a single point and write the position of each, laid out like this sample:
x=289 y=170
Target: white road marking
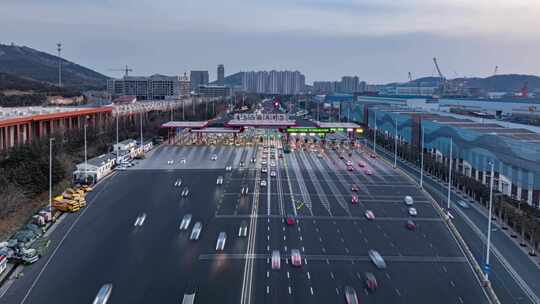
x=337 y=290
x=303 y=249
x=311 y=290
x=267 y=274
x=452 y=283
x=267 y=289
x=398 y=293
x=387 y=275
x=288 y=275
x=444 y=269
x=267 y=247
x=332 y=275
x=305 y=261
x=300 y=238
x=308 y=276
x=284 y=238
x=290 y=291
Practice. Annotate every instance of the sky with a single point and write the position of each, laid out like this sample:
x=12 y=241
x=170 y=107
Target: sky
x=378 y=40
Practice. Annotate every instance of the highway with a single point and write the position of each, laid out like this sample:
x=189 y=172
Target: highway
x=156 y=262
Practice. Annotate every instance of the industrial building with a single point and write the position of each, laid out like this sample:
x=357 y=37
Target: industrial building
x=155 y=87
x=214 y=91
x=514 y=150
x=24 y=124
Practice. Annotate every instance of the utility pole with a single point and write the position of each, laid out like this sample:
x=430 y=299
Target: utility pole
x=59 y=49
x=183 y=110
x=375 y=132
x=422 y=159
x=488 y=245
x=85 y=154
x=117 y=146
x=142 y=112
x=449 y=177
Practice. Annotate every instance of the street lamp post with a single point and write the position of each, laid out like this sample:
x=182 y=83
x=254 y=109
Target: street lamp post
x=141 y=132
x=85 y=156
x=117 y=146
x=50 y=173
x=395 y=144
x=488 y=245
x=449 y=177
x=375 y=132
x=422 y=160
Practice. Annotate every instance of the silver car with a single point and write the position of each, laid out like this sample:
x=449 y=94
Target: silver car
x=186 y=220
x=103 y=294
x=196 y=231
x=377 y=259
x=242 y=231
x=220 y=244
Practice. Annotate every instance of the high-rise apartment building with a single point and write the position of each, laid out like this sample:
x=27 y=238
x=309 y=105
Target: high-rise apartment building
x=220 y=74
x=198 y=78
x=185 y=85
x=274 y=82
x=349 y=84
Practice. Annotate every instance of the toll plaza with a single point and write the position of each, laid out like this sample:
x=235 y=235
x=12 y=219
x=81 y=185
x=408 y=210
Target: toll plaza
x=175 y=128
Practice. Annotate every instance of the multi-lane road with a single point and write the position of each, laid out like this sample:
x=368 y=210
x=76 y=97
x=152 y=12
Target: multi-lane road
x=157 y=263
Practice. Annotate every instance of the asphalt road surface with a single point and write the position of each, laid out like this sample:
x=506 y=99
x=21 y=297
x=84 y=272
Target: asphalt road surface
x=157 y=263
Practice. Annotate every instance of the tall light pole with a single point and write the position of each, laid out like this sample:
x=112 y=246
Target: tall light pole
x=142 y=112
x=85 y=154
x=395 y=144
x=374 y=132
x=422 y=160
x=183 y=110
x=59 y=49
x=50 y=174
x=488 y=246
x=449 y=177
x=117 y=146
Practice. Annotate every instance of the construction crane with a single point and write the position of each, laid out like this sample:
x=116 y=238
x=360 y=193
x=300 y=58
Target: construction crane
x=126 y=70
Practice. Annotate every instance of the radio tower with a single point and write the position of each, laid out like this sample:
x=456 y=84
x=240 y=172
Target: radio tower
x=59 y=49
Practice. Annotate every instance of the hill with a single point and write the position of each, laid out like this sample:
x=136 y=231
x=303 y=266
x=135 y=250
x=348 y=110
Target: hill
x=29 y=63
x=497 y=83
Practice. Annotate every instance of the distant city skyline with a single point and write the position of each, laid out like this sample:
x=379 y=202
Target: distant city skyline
x=378 y=40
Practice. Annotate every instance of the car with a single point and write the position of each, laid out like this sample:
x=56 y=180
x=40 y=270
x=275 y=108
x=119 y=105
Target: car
x=273 y=173
x=264 y=163
x=170 y=162
x=290 y=220
x=183 y=161
x=319 y=155
x=354 y=188
x=263 y=156
x=244 y=190
x=361 y=164
x=186 y=220
x=242 y=231
x=276 y=260
x=349 y=163
x=369 y=172
x=228 y=168
x=263 y=183
x=139 y=221
x=354 y=199
x=196 y=231
x=349 y=168
x=219 y=180
x=341 y=157
x=185 y=192
x=350 y=295
x=412 y=211
x=280 y=155
x=463 y=204
x=241 y=164
x=371 y=281
x=272 y=164
x=370 y=215
x=178 y=183
x=103 y=295
x=408 y=200
x=253 y=160
x=410 y=225
x=377 y=259
x=214 y=157
x=264 y=169
x=296 y=258
x=373 y=155
x=220 y=244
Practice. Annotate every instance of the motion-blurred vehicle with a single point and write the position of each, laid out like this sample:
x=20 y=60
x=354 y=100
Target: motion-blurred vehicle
x=244 y=191
x=242 y=231
x=361 y=164
x=263 y=183
x=369 y=172
x=196 y=231
x=273 y=173
x=412 y=211
x=370 y=215
x=276 y=260
x=178 y=183
x=186 y=220
x=185 y=192
x=408 y=200
x=354 y=188
x=103 y=295
x=290 y=219
x=219 y=180
x=410 y=225
x=296 y=258
x=463 y=204
x=214 y=157
x=371 y=281
x=220 y=244
x=139 y=221
x=228 y=168
x=350 y=295
x=354 y=199
x=349 y=168
x=377 y=259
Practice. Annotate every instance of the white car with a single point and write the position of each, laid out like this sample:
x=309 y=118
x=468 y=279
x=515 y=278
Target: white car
x=264 y=163
x=263 y=183
x=219 y=180
x=186 y=220
x=377 y=259
x=228 y=168
x=170 y=162
x=412 y=211
x=183 y=161
x=264 y=170
x=242 y=231
x=220 y=244
x=370 y=215
x=139 y=221
x=214 y=157
x=178 y=183
x=196 y=231
x=408 y=200
x=273 y=173
x=185 y=192
x=276 y=260
x=273 y=164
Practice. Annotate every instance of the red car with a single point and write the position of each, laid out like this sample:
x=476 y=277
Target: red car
x=410 y=225
x=369 y=172
x=354 y=199
x=349 y=168
x=296 y=259
x=371 y=281
x=354 y=188
x=361 y=164
x=290 y=220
